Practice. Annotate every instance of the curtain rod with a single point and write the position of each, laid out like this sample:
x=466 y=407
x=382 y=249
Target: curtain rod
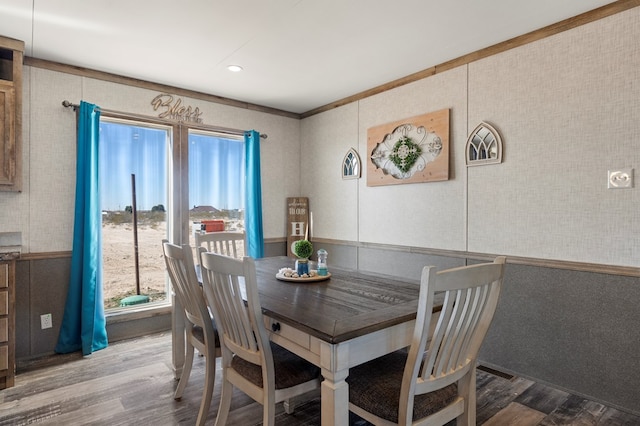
x=75 y=107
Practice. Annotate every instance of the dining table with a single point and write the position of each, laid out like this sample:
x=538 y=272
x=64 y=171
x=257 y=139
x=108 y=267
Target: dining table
x=337 y=322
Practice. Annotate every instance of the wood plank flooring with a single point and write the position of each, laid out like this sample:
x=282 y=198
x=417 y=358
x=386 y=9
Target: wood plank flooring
x=131 y=383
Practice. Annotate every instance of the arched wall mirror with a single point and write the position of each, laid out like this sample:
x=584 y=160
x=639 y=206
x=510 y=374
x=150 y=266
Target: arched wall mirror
x=351 y=165
x=484 y=146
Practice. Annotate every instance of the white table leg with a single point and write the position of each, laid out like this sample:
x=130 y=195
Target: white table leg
x=334 y=396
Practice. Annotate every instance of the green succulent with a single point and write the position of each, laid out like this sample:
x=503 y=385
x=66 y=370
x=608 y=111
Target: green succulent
x=303 y=249
x=405 y=153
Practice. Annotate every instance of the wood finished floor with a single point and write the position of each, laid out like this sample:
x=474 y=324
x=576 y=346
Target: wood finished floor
x=131 y=383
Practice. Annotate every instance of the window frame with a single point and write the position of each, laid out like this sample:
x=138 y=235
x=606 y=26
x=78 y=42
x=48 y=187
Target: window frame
x=178 y=229
x=170 y=129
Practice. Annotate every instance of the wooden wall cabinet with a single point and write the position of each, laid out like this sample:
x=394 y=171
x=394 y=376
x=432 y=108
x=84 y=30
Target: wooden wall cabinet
x=11 y=58
x=7 y=324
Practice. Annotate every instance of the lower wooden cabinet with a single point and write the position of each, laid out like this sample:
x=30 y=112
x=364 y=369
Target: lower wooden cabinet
x=7 y=324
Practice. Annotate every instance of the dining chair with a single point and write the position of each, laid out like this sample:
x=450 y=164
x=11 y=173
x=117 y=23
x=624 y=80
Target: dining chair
x=434 y=380
x=228 y=243
x=266 y=372
x=200 y=329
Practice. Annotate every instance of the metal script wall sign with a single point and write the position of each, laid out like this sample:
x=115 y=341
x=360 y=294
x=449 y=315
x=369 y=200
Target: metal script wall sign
x=409 y=151
x=174 y=110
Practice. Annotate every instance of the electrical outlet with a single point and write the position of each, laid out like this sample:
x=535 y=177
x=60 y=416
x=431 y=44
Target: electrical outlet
x=621 y=178
x=45 y=321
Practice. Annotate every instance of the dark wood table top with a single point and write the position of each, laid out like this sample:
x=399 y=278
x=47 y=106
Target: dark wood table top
x=347 y=305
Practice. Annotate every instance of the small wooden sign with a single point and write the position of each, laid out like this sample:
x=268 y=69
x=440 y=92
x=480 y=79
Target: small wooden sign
x=297 y=221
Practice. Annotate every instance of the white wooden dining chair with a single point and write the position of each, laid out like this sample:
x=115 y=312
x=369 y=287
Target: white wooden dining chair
x=200 y=330
x=266 y=372
x=434 y=381
x=227 y=243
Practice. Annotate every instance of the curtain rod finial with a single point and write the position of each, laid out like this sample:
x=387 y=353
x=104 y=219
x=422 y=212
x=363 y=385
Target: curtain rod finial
x=68 y=104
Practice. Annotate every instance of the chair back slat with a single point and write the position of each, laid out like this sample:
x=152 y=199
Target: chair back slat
x=478 y=300
x=237 y=323
x=227 y=281
x=451 y=336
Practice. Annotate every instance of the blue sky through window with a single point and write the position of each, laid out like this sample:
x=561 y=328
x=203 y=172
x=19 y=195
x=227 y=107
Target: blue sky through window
x=216 y=168
x=127 y=149
x=216 y=172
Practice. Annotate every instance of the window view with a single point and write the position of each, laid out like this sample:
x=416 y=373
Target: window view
x=134 y=160
x=216 y=183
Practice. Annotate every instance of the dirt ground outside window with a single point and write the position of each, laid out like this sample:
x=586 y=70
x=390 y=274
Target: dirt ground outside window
x=118 y=254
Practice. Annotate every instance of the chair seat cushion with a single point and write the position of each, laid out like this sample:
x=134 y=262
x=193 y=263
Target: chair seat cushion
x=290 y=369
x=375 y=387
x=198 y=333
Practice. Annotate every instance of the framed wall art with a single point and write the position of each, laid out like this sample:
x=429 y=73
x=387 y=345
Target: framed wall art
x=413 y=150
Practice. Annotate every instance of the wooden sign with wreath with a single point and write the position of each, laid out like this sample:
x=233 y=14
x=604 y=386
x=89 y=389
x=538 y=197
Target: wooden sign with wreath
x=409 y=151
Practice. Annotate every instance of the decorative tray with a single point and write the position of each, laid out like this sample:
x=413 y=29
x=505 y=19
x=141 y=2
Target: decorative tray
x=315 y=278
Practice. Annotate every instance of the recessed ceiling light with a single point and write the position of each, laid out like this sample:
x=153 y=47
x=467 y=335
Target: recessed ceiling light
x=234 y=68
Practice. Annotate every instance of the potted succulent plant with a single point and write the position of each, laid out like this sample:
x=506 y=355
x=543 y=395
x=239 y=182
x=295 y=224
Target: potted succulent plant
x=303 y=249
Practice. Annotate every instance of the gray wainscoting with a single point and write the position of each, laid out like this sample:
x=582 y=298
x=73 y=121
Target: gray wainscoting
x=41 y=288
x=578 y=331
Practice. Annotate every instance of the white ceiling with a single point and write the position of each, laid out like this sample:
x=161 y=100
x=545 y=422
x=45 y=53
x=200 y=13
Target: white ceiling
x=297 y=54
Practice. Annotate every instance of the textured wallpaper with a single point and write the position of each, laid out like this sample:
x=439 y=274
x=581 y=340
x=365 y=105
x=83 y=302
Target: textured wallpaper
x=567 y=109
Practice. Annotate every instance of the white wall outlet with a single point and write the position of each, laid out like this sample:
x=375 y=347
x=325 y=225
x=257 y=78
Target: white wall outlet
x=46 y=321
x=622 y=178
